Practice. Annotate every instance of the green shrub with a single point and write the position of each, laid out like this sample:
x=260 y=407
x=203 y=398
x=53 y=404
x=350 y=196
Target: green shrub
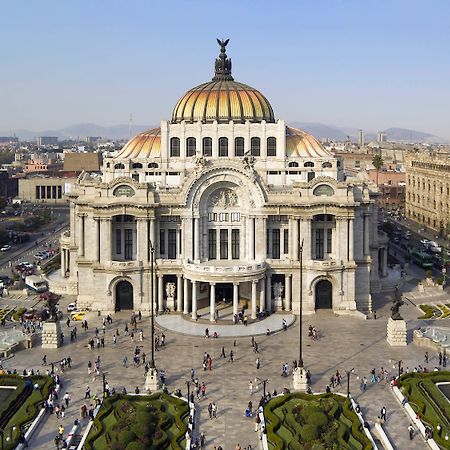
x=309 y=433
x=126 y=436
x=308 y=410
x=319 y=419
x=136 y=446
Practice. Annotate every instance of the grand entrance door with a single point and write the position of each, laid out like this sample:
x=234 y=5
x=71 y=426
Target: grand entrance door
x=224 y=291
x=324 y=295
x=124 y=295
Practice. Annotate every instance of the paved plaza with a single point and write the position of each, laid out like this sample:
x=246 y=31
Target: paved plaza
x=345 y=343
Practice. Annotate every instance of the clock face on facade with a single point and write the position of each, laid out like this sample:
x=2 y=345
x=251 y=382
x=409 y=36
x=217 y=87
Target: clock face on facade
x=123 y=191
x=323 y=189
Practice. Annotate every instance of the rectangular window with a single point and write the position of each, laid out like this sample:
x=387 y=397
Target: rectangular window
x=42 y=191
x=162 y=242
x=180 y=240
x=49 y=192
x=172 y=244
x=38 y=192
x=319 y=243
x=53 y=191
x=128 y=244
x=118 y=242
x=212 y=217
x=329 y=240
x=285 y=241
x=59 y=191
x=276 y=244
x=212 y=244
x=235 y=217
x=235 y=244
x=223 y=244
x=223 y=217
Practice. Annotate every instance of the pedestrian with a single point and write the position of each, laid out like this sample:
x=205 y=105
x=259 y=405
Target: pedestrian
x=141 y=335
x=206 y=333
x=66 y=399
x=163 y=340
x=411 y=432
x=202 y=439
x=214 y=410
x=440 y=358
x=44 y=360
x=257 y=422
x=255 y=348
x=61 y=430
x=444 y=360
x=383 y=414
x=210 y=410
x=125 y=361
x=231 y=356
x=257 y=362
x=375 y=315
x=250 y=387
x=87 y=393
x=426 y=357
x=253 y=341
x=114 y=340
x=222 y=355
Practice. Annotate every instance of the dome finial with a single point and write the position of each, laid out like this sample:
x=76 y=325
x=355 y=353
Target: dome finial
x=223 y=63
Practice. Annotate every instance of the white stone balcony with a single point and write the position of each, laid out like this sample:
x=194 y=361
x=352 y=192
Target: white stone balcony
x=224 y=270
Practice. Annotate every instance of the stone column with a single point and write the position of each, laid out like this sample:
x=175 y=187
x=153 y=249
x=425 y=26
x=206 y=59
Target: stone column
x=194 y=300
x=160 y=292
x=212 y=302
x=350 y=239
x=262 y=295
x=293 y=238
x=186 y=295
x=268 y=293
x=63 y=263
x=254 y=285
x=287 y=292
x=235 y=298
x=80 y=223
x=141 y=239
x=385 y=257
x=97 y=240
x=179 y=294
x=105 y=240
x=366 y=234
x=197 y=238
x=152 y=233
x=251 y=238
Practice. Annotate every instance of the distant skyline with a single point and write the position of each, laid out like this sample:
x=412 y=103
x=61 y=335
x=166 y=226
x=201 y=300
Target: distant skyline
x=370 y=64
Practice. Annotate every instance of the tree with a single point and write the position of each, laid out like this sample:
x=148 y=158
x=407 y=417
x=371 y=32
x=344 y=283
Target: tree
x=378 y=163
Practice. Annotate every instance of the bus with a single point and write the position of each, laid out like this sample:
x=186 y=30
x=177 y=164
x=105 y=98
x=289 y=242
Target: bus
x=422 y=259
x=36 y=283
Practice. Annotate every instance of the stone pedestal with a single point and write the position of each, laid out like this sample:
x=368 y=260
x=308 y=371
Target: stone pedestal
x=152 y=382
x=278 y=303
x=51 y=335
x=300 y=382
x=396 y=333
x=170 y=303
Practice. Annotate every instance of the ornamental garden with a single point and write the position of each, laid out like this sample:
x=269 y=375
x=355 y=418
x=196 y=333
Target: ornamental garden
x=313 y=422
x=140 y=422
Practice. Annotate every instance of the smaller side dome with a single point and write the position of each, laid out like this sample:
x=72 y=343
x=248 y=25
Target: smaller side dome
x=142 y=146
x=304 y=145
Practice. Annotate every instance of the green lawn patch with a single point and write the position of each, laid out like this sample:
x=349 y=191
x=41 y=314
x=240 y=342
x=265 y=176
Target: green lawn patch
x=428 y=400
x=313 y=422
x=430 y=312
x=140 y=422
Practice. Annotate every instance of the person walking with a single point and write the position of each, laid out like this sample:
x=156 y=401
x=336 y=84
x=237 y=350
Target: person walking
x=210 y=410
x=411 y=432
x=250 y=387
x=214 y=410
x=222 y=355
x=383 y=414
x=231 y=356
x=440 y=358
x=257 y=362
x=426 y=357
x=87 y=393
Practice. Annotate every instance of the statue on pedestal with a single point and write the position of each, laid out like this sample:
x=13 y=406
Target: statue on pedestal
x=170 y=290
x=278 y=290
x=395 y=314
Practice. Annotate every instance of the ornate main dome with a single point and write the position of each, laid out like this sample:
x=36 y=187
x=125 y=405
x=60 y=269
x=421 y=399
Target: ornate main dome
x=223 y=99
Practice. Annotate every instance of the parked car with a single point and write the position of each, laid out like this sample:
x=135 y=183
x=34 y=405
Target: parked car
x=424 y=241
x=5 y=248
x=79 y=315
x=71 y=307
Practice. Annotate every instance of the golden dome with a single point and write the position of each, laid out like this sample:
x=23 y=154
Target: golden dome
x=223 y=99
x=142 y=146
x=304 y=145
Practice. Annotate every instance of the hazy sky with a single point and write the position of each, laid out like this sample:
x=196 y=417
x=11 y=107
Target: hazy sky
x=371 y=64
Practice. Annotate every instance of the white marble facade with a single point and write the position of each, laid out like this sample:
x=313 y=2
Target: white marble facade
x=225 y=225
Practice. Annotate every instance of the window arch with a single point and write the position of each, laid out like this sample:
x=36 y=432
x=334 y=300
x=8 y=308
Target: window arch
x=119 y=166
x=190 y=146
x=308 y=164
x=108 y=165
x=327 y=165
x=255 y=146
x=239 y=146
x=293 y=164
x=271 y=146
x=207 y=146
x=223 y=147
x=152 y=165
x=136 y=166
x=175 y=147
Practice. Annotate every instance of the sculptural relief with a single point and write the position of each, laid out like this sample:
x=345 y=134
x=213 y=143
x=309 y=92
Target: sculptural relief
x=278 y=290
x=224 y=198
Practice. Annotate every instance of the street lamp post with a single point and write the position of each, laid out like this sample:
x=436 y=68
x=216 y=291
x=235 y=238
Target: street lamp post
x=300 y=380
x=188 y=384
x=348 y=381
x=152 y=382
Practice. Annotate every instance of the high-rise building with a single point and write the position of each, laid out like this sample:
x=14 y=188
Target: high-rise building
x=361 y=138
x=381 y=136
x=47 y=140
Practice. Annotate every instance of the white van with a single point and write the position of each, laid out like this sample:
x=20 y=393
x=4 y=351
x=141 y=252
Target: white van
x=36 y=283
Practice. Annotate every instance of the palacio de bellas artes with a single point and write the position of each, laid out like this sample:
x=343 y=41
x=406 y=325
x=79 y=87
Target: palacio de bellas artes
x=224 y=204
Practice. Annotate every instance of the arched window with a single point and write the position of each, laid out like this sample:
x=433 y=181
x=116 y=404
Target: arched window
x=255 y=146
x=190 y=146
x=239 y=146
x=119 y=166
x=327 y=165
x=223 y=147
x=271 y=146
x=108 y=165
x=308 y=164
x=175 y=147
x=293 y=164
x=207 y=146
x=137 y=166
x=152 y=165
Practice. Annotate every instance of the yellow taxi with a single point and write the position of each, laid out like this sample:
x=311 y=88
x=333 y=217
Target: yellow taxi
x=78 y=315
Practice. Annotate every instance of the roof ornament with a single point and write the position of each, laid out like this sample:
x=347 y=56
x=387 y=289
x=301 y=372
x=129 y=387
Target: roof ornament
x=223 y=63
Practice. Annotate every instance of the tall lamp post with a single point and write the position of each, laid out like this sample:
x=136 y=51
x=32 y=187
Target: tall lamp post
x=300 y=381
x=152 y=382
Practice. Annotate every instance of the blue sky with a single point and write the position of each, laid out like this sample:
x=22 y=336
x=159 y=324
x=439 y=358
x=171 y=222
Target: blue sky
x=368 y=64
